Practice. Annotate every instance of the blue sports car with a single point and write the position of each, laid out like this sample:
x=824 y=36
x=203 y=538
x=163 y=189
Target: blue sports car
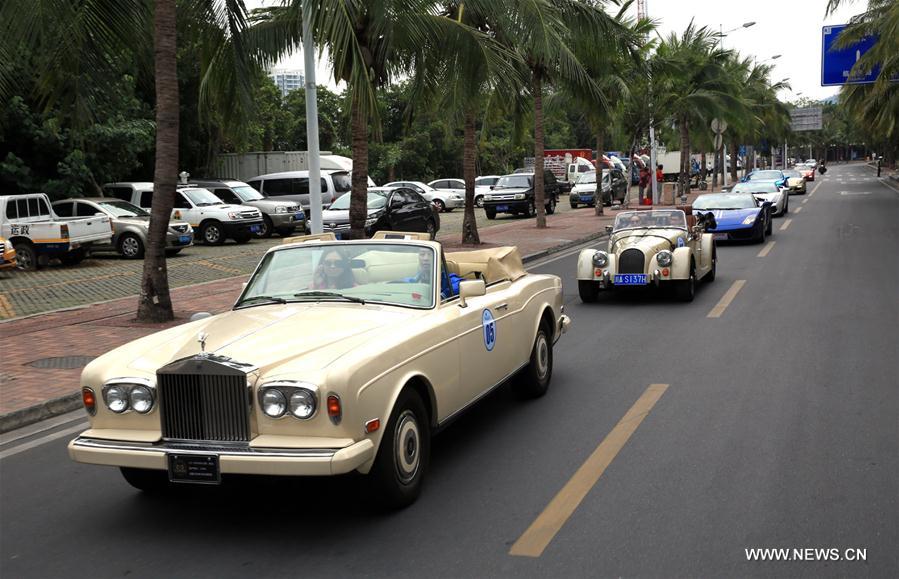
x=738 y=216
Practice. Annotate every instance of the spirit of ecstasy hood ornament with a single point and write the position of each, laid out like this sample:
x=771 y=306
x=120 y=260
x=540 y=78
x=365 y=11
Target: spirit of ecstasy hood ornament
x=201 y=337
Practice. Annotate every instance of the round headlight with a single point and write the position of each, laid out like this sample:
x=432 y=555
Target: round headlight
x=664 y=258
x=117 y=399
x=600 y=259
x=273 y=403
x=141 y=399
x=302 y=403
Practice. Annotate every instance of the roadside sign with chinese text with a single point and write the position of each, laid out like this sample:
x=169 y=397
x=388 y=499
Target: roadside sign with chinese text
x=807 y=119
x=836 y=64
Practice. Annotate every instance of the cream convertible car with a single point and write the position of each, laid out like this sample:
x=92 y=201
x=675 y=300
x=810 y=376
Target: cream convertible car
x=338 y=356
x=657 y=247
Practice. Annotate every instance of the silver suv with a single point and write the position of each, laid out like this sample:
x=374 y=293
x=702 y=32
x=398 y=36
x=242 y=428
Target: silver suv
x=281 y=217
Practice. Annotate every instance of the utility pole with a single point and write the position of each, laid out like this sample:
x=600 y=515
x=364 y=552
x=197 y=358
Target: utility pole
x=312 y=150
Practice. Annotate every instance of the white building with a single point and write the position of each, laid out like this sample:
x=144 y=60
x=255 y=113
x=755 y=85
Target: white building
x=287 y=80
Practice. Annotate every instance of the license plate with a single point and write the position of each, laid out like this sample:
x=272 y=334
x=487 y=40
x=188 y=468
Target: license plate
x=194 y=468
x=587 y=198
x=300 y=216
x=630 y=279
x=502 y=207
x=254 y=228
x=185 y=238
x=720 y=237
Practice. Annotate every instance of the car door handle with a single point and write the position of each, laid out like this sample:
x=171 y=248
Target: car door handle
x=502 y=307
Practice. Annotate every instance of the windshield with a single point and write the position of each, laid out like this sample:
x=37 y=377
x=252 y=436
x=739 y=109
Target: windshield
x=755 y=188
x=514 y=181
x=586 y=178
x=122 y=209
x=739 y=201
x=376 y=200
x=247 y=193
x=661 y=219
x=765 y=176
x=393 y=274
x=201 y=197
x=342 y=182
x=792 y=174
x=486 y=181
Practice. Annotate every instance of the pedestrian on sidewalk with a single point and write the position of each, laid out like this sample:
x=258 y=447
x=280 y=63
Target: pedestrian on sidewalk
x=879 y=163
x=644 y=181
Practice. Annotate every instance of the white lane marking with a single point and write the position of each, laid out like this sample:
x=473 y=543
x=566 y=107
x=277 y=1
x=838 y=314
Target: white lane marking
x=42 y=426
x=767 y=249
x=853 y=193
x=804 y=201
x=797 y=210
x=40 y=441
x=786 y=224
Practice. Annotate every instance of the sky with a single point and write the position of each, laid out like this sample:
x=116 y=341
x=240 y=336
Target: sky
x=790 y=28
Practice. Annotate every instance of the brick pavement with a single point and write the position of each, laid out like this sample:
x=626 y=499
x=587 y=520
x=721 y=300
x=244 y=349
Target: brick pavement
x=28 y=394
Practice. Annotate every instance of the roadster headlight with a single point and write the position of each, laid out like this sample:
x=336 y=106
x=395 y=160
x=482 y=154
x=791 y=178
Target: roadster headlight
x=600 y=259
x=141 y=399
x=302 y=403
x=749 y=220
x=116 y=398
x=273 y=403
x=664 y=258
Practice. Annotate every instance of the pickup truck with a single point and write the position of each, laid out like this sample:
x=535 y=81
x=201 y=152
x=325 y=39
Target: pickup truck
x=38 y=234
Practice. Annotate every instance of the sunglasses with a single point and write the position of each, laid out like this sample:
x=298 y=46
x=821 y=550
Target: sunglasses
x=333 y=262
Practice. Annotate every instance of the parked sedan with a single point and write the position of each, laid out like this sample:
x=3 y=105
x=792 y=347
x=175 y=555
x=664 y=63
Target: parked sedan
x=445 y=201
x=482 y=186
x=389 y=209
x=767 y=191
x=130 y=225
x=738 y=216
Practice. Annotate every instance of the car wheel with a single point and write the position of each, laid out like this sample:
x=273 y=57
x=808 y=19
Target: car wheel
x=73 y=257
x=479 y=201
x=212 y=233
x=573 y=205
x=588 y=290
x=146 y=480
x=532 y=210
x=403 y=456
x=130 y=246
x=431 y=228
x=441 y=206
x=551 y=207
x=26 y=256
x=533 y=380
x=710 y=276
x=265 y=230
x=686 y=289
x=171 y=252
x=769 y=227
x=491 y=213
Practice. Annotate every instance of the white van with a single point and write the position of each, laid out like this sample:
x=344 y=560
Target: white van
x=207 y=214
x=294 y=186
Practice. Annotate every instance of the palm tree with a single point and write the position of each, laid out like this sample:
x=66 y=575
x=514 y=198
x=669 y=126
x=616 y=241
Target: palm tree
x=692 y=85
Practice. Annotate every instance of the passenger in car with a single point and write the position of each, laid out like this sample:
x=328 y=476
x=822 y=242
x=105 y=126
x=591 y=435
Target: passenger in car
x=333 y=271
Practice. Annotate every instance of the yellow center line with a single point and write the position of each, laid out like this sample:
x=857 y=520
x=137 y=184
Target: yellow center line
x=727 y=298
x=798 y=209
x=804 y=201
x=767 y=249
x=545 y=527
x=786 y=224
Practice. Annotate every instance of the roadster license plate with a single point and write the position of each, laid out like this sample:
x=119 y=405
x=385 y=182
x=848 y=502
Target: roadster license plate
x=502 y=207
x=630 y=279
x=194 y=468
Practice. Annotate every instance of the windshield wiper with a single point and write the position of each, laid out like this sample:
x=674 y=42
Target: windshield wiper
x=266 y=299
x=321 y=294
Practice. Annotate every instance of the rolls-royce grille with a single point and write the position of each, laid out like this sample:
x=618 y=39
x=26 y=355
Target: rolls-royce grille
x=204 y=407
x=631 y=261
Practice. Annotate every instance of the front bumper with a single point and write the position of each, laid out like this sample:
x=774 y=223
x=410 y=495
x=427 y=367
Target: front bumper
x=285 y=221
x=509 y=206
x=241 y=228
x=742 y=233
x=247 y=459
x=176 y=240
x=8 y=259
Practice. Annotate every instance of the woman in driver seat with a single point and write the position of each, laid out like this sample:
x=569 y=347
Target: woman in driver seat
x=333 y=271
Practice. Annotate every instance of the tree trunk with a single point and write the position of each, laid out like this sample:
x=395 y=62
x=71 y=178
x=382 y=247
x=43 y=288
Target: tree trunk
x=704 y=167
x=539 y=194
x=155 y=303
x=597 y=196
x=359 y=193
x=733 y=160
x=684 y=177
x=470 y=152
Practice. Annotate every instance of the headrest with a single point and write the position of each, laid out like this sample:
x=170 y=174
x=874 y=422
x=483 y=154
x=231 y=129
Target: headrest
x=329 y=236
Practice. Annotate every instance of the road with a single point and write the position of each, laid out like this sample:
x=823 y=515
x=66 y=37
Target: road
x=107 y=276
x=776 y=428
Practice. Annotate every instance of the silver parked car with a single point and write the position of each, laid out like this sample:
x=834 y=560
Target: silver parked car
x=130 y=225
x=281 y=217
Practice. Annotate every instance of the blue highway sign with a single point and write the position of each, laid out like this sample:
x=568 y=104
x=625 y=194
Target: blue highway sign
x=837 y=64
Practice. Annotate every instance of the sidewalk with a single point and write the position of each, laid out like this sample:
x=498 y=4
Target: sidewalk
x=43 y=355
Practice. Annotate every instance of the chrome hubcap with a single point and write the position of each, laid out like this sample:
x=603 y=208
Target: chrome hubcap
x=542 y=357
x=211 y=234
x=130 y=246
x=406 y=446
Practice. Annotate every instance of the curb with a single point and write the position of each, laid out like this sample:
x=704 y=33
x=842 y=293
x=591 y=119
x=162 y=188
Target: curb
x=63 y=404
x=42 y=411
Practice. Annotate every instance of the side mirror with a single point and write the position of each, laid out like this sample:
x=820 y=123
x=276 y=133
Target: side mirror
x=99 y=214
x=492 y=186
x=200 y=316
x=470 y=289
x=609 y=229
